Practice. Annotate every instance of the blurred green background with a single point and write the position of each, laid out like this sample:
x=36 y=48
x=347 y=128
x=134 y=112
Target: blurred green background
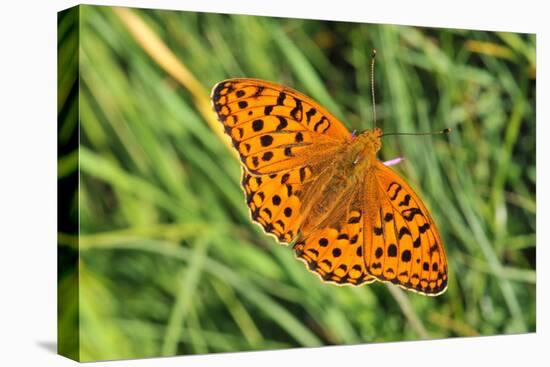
x=169 y=261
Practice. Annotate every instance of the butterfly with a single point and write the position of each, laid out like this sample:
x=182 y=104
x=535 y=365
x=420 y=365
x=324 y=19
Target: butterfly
x=311 y=183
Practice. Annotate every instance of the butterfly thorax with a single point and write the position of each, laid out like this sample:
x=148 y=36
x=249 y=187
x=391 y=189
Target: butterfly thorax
x=362 y=153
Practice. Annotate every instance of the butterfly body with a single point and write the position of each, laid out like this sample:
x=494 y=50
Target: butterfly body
x=348 y=170
x=309 y=182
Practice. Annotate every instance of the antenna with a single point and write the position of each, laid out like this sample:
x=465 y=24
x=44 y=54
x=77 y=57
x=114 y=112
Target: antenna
x=373 y=58
x=444 y=131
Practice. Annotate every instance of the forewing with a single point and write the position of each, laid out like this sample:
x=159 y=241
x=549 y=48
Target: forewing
x=275 y=128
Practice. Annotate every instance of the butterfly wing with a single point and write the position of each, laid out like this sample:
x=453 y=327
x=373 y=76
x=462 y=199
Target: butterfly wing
x=274 y=202
x=273 y=127
x=334 y=249
x=403 y=244
x=284 y=140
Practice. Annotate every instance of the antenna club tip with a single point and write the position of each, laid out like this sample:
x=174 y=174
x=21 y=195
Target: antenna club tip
x=447 y=130
x=373 y=52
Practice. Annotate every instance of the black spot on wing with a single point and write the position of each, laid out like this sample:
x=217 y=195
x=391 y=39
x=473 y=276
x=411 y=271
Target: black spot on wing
x=257 y=125
x=396 y=192
x=259 y=91
x=281 y=99
x=310 y=113
x=423 y=228
x=405 y=201
x=283 y=123
x=322 y=125
x=266 y=140
x=297 y=111
x=409 y=214
x=402 y=232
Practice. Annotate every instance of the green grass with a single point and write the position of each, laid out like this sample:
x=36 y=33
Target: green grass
x=170 y=262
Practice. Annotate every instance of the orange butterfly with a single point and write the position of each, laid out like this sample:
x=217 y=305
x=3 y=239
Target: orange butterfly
x=308 y=180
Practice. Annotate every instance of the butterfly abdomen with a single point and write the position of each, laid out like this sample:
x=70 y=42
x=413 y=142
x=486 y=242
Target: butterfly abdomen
x=323 y=196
